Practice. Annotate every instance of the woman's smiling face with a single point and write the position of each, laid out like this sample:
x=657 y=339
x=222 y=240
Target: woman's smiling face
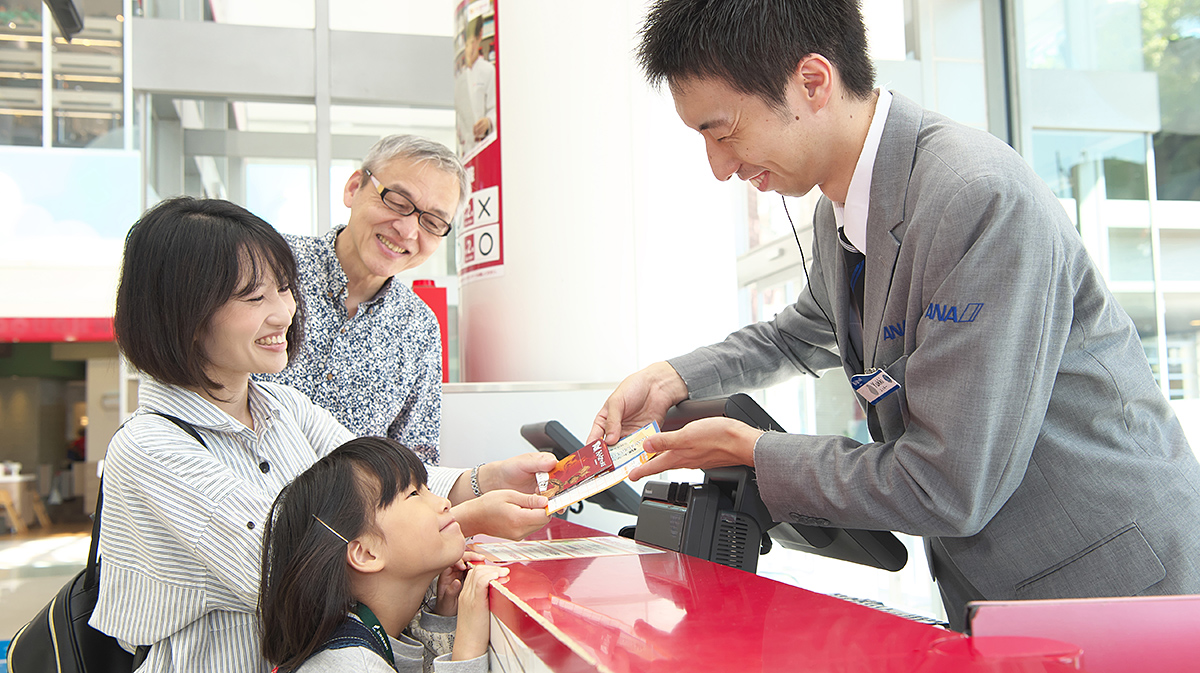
x=248 y=334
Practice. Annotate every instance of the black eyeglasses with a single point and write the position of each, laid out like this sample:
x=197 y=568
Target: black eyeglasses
x=402 y=205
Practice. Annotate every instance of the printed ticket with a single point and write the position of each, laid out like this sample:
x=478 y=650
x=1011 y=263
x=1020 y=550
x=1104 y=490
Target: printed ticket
x=625 y=455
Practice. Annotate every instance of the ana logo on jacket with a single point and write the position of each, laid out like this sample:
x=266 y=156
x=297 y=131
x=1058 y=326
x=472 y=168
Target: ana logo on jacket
x=948 y=313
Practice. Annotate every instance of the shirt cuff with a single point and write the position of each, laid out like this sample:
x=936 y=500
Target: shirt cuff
x=435 y=623
x=444 y=664
x=441 y=479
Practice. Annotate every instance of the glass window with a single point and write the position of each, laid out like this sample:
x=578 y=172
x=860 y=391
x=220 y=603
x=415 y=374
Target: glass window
x=1171 y=29
x=1183 y=344
x=66 y=209
x=282 y=193
x=888 y=29
x=1077 y=163
x=88 y=74
x=1131 y=258
x=379 y=121
x=1180 y=253
x=289 y=14
x=1083 y=35
x=1103 y=177
x=275 y=117
x=410 y=17
x=21 y=73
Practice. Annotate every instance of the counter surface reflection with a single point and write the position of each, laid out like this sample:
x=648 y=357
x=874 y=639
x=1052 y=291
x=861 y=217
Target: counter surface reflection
x=670 y=612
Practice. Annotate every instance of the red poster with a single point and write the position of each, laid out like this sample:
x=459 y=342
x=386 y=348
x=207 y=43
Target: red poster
x=477 y=113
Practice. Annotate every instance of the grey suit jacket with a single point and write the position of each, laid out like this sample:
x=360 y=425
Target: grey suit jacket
x=1029 y=434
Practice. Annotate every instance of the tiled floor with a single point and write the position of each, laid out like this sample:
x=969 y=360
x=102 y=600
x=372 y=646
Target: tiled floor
x=34 y=565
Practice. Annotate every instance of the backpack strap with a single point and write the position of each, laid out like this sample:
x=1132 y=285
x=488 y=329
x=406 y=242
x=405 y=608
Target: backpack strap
x=90 y=579
x=183 y=425
x=353 y=633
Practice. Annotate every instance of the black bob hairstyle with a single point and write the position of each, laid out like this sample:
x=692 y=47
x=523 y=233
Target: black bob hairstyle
x=183 y=260
x=754 y=46
x=305 y=589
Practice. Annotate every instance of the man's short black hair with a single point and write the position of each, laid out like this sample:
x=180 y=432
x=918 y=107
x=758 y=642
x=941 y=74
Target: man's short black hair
x=183 y=260
x=754 y=45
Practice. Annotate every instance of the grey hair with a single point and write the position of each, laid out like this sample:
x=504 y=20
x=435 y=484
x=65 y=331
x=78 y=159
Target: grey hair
x=419 y=149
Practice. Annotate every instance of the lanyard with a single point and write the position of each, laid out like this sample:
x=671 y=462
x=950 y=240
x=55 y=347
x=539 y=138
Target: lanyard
x=368 y=618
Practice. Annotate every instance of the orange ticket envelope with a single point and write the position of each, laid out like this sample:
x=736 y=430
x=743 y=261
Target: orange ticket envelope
x=593 y=468
x=589 y=461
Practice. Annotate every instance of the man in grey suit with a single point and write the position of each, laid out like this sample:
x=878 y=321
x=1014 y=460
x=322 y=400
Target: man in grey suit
x=1016 y=423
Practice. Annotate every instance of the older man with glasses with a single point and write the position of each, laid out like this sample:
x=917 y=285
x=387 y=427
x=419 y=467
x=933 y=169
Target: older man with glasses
x=372 y=348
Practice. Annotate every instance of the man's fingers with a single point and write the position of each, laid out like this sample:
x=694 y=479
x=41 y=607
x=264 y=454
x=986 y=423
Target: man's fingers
x=665 y=441
x=612 y=420
x=659 y=463
x=597 y=430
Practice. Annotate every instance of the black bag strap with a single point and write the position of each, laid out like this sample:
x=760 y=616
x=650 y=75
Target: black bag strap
x=92 y=577
x=353 y=633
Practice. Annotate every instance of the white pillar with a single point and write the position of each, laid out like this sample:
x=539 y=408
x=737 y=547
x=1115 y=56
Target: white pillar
x=618 y=242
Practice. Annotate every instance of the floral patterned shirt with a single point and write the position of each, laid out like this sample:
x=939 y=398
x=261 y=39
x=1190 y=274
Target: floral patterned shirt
x=380 y=372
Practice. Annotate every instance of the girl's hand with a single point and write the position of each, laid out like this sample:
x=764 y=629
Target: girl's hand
x=474 y=625
x=450 y=584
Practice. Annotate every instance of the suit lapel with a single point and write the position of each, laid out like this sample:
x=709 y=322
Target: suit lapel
x=886 y=217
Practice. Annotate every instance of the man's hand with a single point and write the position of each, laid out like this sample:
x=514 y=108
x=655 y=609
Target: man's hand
x=642 y=397
x=707 y=442
x=503 y=513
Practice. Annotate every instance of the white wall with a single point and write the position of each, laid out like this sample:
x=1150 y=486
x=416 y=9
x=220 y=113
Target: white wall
x=482 y=422
x=618 y=241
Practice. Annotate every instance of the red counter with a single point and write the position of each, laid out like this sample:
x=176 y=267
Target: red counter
x=674 y=613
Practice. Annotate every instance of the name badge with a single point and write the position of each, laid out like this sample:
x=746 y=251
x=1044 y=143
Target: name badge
x=874 y=385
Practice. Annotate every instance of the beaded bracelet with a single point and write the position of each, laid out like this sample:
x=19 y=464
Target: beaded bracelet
x=475 y=480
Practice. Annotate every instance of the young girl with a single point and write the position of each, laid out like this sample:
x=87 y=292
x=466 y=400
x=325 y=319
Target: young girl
x=350 y=549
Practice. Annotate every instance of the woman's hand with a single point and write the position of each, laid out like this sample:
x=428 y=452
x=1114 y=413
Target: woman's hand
x=518 y=473
x=506 y=514
x=474 y=623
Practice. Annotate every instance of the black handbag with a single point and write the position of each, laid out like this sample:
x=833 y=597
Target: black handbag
x=59 y=638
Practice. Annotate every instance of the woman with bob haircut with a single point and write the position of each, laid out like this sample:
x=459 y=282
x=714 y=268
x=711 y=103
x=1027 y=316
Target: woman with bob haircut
x=208 y=296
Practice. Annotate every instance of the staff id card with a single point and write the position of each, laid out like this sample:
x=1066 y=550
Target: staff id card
x=874 y=385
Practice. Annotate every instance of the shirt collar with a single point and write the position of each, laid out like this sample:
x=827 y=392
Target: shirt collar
x=853 y=214
x=336 y=275
x=189 y=406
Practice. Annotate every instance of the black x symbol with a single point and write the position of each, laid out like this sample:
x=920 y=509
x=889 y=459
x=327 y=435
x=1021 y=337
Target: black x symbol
x=483 y=210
